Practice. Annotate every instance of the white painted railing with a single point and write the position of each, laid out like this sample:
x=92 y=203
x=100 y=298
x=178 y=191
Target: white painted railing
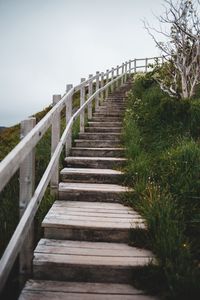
x=22 y=156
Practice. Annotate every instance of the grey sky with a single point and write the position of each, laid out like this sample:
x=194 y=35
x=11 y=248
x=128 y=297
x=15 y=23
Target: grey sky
x=46 y=44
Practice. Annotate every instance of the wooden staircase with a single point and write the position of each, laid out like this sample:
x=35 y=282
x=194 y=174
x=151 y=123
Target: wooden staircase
x=85 y=253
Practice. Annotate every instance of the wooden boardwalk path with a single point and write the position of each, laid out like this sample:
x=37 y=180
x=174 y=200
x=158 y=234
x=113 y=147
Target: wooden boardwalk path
x=85 y=253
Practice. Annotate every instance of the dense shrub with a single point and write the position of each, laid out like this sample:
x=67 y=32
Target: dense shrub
x=161 y=136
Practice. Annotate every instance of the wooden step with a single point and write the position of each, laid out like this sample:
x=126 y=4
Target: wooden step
x=92 y=192
x=112 y=109
x=113 y=106
x=88 y=261
x=105 y=124
x=106 y=119
x=94 y=162
x=94 y=152
x=63 y=290
x=86 y=221
x=91 y=175
x=97 y=143
x=100 y=136
x=108 y=114
x=103 y=129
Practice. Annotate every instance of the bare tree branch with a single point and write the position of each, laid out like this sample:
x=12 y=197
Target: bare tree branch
x=182 y=44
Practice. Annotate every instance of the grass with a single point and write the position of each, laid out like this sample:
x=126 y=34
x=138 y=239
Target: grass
x=161 y=136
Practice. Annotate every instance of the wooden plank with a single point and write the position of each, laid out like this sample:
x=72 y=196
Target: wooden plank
x=26 y=189
x=61 y=223
x=105 y=214
x=81 y=287
x=97 y=143
x=83 y=244
x=93 y=187
x=80 y=260
x=95 y=205
x=55 y=249
x=93 y=210
x=108 y=159
x=48 y=295
x=91 y=171
x=82 y=100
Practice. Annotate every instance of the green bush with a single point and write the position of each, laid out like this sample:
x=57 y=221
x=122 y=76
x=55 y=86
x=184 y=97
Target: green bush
x=195 y=118
x=161 y=137
x=180 y=169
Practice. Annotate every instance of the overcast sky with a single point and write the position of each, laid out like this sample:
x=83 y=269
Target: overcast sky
x=46 y=44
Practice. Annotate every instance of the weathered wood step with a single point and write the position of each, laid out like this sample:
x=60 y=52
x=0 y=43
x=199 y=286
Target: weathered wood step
x=91 y=175
x=105 y=222
x=103 y=129
x=97 y=143
x=108 y=114
x=92 y=192
x=113 y=109
x=116 y=105
x=95 y=152
x=105 y=124
x=88 y=261
x=63 y=290
x=107 y=119
x=100 y=136
x=94 y=162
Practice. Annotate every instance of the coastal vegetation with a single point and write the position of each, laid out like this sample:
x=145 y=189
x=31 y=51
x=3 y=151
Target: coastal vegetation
x=161 y=135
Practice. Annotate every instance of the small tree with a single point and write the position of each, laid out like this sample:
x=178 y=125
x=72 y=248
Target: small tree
x=181 y=46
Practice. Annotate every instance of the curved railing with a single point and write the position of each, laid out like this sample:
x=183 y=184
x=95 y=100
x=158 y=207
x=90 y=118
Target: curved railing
x=22 y=156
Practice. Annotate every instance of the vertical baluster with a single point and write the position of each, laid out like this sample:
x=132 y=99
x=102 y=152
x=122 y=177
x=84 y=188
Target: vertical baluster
x=107 y=80
x=27 y=185
x=82 y=101
x=122 y=78
x=97 y=88
x=146 y=64
x=117 y=74
x=126 y=68
x=130 y=67
x=90 y=91
x=102 y=85
x=55 y=137
x=135 y=65
x=68 y=117
x=112 y=78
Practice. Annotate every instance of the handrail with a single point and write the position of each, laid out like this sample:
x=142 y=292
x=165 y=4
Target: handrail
x=15 y=158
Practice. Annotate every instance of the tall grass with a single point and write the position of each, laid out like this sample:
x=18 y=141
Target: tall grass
x=163 y=153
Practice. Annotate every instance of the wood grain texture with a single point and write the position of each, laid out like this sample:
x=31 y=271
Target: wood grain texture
x=46 y=289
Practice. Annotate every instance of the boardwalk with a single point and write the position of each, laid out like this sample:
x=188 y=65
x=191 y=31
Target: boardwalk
x=85 y=253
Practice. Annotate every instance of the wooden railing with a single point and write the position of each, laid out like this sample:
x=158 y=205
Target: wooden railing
x=22 y=157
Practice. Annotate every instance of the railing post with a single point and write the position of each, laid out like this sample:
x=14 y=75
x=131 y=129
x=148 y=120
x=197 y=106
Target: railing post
x=82 y=101
x=90 y=88
x=27 y=185
x=97 y=88
x=122 y=78
x=135 y=65
x=125 y=76
x=117 y=74
x=130 y=67
x=68 y=117
x=107 y=80
x=112 y=77
x=102 y=85
x=55 y=137
x=146 y=64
